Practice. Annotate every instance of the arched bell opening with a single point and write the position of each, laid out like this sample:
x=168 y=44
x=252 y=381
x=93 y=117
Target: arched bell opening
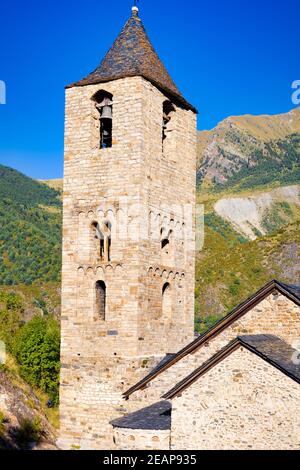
x=104 y=104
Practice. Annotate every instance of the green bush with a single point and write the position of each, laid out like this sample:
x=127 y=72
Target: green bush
x=37 y=349
x=204 y=324
x=10 y=318
x=29 y=431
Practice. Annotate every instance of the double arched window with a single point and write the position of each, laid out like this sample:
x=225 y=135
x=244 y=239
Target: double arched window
x=102 y=233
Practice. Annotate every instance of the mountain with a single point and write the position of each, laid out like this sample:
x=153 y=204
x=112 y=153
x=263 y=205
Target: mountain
x=30 y=230
x=21 y=189
x=250 y=151
x=249 y=184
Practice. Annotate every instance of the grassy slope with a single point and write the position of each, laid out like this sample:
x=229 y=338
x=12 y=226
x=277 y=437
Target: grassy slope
x=228 y=271
x=23 y=190
x=55 y=183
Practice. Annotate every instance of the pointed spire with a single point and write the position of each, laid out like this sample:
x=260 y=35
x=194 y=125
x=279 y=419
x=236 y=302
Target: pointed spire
x=132 y=54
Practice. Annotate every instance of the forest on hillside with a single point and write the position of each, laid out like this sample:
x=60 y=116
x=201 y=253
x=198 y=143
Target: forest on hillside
x=30 y=230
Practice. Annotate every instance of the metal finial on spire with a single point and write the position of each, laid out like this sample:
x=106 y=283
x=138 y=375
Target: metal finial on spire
x=135 y=7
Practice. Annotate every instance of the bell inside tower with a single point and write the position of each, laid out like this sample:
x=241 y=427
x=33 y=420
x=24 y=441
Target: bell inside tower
x=104 y=104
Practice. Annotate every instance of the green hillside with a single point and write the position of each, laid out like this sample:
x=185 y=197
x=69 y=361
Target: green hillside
x=230 y=269
x=20 y=189
x=30 y=230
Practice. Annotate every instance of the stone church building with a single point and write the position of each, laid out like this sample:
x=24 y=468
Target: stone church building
x=128 y=281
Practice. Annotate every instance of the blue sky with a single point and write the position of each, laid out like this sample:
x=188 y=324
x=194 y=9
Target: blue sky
x=227 y=57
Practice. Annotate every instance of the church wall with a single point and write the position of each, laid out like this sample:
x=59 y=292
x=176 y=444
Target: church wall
x=243 y=403
x=275 y=315
x=141 y=439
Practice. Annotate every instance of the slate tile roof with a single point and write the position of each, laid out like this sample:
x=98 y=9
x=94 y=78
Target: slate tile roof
x=275 y=351
x=156 y=416
x=270 y=348
x=294 y=290
x=132 y=54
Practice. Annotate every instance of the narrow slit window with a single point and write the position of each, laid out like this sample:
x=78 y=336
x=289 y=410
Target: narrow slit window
x=164 y=244
x=167 y=301
x=166 y=241
x=100 y=303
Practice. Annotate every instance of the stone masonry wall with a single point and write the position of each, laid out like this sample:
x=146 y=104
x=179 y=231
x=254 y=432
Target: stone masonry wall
x=141 y=439
x=275 y=315
x=123 y=186
x=243 y=403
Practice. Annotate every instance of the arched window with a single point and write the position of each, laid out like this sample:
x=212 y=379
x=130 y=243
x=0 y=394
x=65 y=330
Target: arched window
x=100 y=302
x=164 y=244
x=102 y=233
x=166 y=241
x=104 y=104
x=168 y=112
x=167 y=301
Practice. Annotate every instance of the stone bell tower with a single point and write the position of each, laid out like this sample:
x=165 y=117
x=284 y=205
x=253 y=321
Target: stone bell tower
x=128 y=233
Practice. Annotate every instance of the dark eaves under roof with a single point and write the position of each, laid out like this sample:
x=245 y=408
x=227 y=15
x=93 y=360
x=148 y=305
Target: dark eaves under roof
x=270 y=348
x=156 y=416
x=290 y=291
x=132 y=54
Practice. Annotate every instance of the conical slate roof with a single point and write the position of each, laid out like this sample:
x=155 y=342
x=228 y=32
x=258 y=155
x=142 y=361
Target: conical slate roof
x=132 y=54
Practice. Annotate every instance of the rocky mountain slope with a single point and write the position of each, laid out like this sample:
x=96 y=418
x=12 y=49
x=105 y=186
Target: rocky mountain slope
x=246 y=151
x=230 y=268
x=29 y=370
x=260 y=213
x=23 y=422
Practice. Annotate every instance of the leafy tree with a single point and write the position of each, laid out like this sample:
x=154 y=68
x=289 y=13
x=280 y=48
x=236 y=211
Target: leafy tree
x=37 y=349
x=10 y=318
